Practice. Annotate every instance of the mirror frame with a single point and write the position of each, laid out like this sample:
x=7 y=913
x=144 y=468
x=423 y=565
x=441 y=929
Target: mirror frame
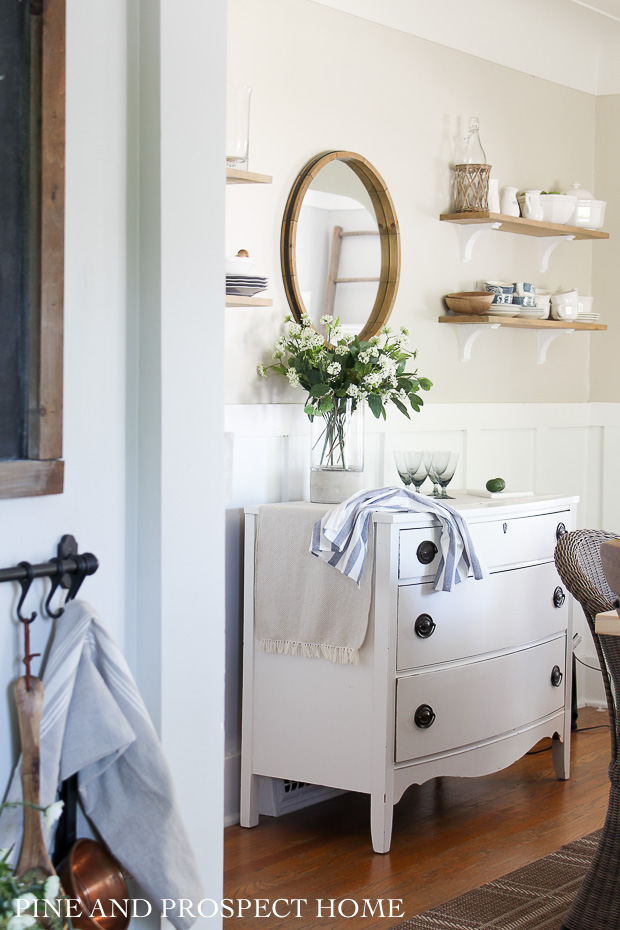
x=389 y=236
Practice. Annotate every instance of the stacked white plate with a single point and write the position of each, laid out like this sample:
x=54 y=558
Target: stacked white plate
x=245 y=285
x=535 y=313
x=589 y=317
x=505 y=310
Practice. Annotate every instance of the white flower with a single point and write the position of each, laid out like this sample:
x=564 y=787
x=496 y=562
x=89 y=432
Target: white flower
x=364 y=357
x=21 y=922
x=260 y=370
x=294 y=329
x=53 y=812
x=404 y=330
x=373 y=379
x=374 y=351
x=293 y=377
x=353 y=390
x=334 y=369
x=341 y=350
x=327 y=319
x=277 y=353
x=51 y=888
x=305 y=319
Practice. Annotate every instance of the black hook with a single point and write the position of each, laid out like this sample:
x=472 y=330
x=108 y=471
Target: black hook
x=25 y=586
x=56 y=580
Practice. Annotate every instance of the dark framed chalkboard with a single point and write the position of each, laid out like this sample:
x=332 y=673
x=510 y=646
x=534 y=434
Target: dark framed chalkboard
x=32 y=85
x=14 y=224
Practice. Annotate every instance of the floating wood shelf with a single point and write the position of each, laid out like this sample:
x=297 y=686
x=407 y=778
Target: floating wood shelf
x=236 y=176
x=521 y=226
x=233 y=301
x=473 y=225
x=470 y=328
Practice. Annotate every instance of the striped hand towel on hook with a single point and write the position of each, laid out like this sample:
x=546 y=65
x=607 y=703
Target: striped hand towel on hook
x=340 y=538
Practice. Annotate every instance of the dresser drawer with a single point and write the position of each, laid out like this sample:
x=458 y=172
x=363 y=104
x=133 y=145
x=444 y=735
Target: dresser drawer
x=499 y=543
x=478 y=700
x=504 y=610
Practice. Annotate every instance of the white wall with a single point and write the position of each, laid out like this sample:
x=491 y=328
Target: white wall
x=605 y=383
x=93 y=505
x=404 y=111
x=143 y=413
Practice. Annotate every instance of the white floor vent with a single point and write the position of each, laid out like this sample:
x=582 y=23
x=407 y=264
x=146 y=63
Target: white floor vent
x=278 y=796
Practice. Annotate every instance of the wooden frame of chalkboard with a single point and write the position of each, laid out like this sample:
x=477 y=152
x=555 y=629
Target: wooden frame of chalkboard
x=40 y=469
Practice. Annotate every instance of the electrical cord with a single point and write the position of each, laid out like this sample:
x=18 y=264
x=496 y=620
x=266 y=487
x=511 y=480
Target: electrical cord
x=599 y=726
x=594 y=668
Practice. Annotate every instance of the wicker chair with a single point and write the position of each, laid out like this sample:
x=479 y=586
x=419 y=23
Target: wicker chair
x=577 y=557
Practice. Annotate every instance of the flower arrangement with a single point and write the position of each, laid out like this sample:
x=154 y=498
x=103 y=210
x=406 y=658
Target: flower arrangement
x=19 y=897
x=341 y=371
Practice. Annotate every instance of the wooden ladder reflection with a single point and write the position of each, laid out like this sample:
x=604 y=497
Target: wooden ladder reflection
x=334 y=261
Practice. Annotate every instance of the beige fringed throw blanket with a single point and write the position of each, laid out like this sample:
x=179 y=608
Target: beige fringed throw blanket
x=303 y=607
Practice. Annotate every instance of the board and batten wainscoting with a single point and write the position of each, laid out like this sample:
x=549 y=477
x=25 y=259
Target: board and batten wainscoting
x=546 y=448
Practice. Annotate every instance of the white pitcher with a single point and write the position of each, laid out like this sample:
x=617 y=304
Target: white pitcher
x=509 y=202
x=532 y=207
x=493 y=200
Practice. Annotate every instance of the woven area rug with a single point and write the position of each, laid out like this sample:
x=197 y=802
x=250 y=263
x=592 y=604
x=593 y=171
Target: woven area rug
x=535 y=897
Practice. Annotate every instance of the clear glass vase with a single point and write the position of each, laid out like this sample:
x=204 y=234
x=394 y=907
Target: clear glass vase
x=337 y=453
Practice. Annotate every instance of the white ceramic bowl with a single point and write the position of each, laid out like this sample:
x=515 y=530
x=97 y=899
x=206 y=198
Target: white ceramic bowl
x=236 y=265
x=589 y=214
x=565 y=306
x=558 y=208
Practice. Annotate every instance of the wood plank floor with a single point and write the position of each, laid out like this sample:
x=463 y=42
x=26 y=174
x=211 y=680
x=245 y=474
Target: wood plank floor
x=450 y=835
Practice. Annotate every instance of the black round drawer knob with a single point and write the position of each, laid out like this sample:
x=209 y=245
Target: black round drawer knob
x=560 y=531
x=558 y=597
x=556 y=676
x=424 y=626
x=424 y=716
x=426 y=552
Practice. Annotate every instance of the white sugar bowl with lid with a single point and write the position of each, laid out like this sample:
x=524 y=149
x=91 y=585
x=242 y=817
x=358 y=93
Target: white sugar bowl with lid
x=589 y=212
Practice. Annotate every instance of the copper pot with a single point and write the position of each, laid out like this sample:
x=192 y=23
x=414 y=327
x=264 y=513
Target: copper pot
x=90 y=875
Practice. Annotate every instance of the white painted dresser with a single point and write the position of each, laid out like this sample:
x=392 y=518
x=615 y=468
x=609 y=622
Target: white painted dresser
x=448 y=683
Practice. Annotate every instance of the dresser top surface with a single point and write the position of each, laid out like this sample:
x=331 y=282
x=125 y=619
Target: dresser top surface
x=472 y=508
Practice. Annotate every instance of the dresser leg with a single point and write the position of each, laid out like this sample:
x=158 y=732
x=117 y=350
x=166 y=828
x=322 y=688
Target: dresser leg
x=561 y=757
x=249 y=800
x=381 y=813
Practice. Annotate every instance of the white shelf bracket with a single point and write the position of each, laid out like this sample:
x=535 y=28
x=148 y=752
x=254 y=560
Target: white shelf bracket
x=546 y=245
x=544 y=338
x=470 y=235
x=468 y=333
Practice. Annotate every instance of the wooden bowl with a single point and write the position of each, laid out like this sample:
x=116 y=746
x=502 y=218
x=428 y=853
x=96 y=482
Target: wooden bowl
x=474 y=302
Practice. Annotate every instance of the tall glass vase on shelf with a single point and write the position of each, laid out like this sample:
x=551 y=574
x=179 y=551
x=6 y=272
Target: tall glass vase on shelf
x=471 y=173
x=337 y=453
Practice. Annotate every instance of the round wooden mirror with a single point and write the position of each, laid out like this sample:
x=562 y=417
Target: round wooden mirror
x=340 y=245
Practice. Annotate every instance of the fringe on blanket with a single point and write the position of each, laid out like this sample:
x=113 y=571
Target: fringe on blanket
x=344 y=655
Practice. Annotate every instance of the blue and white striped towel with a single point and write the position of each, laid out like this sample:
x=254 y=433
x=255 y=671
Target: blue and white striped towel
x=340 y=538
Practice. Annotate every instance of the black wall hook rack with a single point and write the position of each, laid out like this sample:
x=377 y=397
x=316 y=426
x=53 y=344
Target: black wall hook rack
x=67 y=569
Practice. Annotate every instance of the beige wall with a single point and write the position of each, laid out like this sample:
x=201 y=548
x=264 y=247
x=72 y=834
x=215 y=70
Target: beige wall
x=605 y=382
x=321 y=80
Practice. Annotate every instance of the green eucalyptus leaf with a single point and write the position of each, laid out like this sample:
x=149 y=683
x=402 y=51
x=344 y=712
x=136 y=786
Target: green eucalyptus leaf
x=425 y=384
x=374 y=402
x=401 y=407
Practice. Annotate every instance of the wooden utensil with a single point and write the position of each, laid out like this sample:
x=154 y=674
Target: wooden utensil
x=33 y=857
